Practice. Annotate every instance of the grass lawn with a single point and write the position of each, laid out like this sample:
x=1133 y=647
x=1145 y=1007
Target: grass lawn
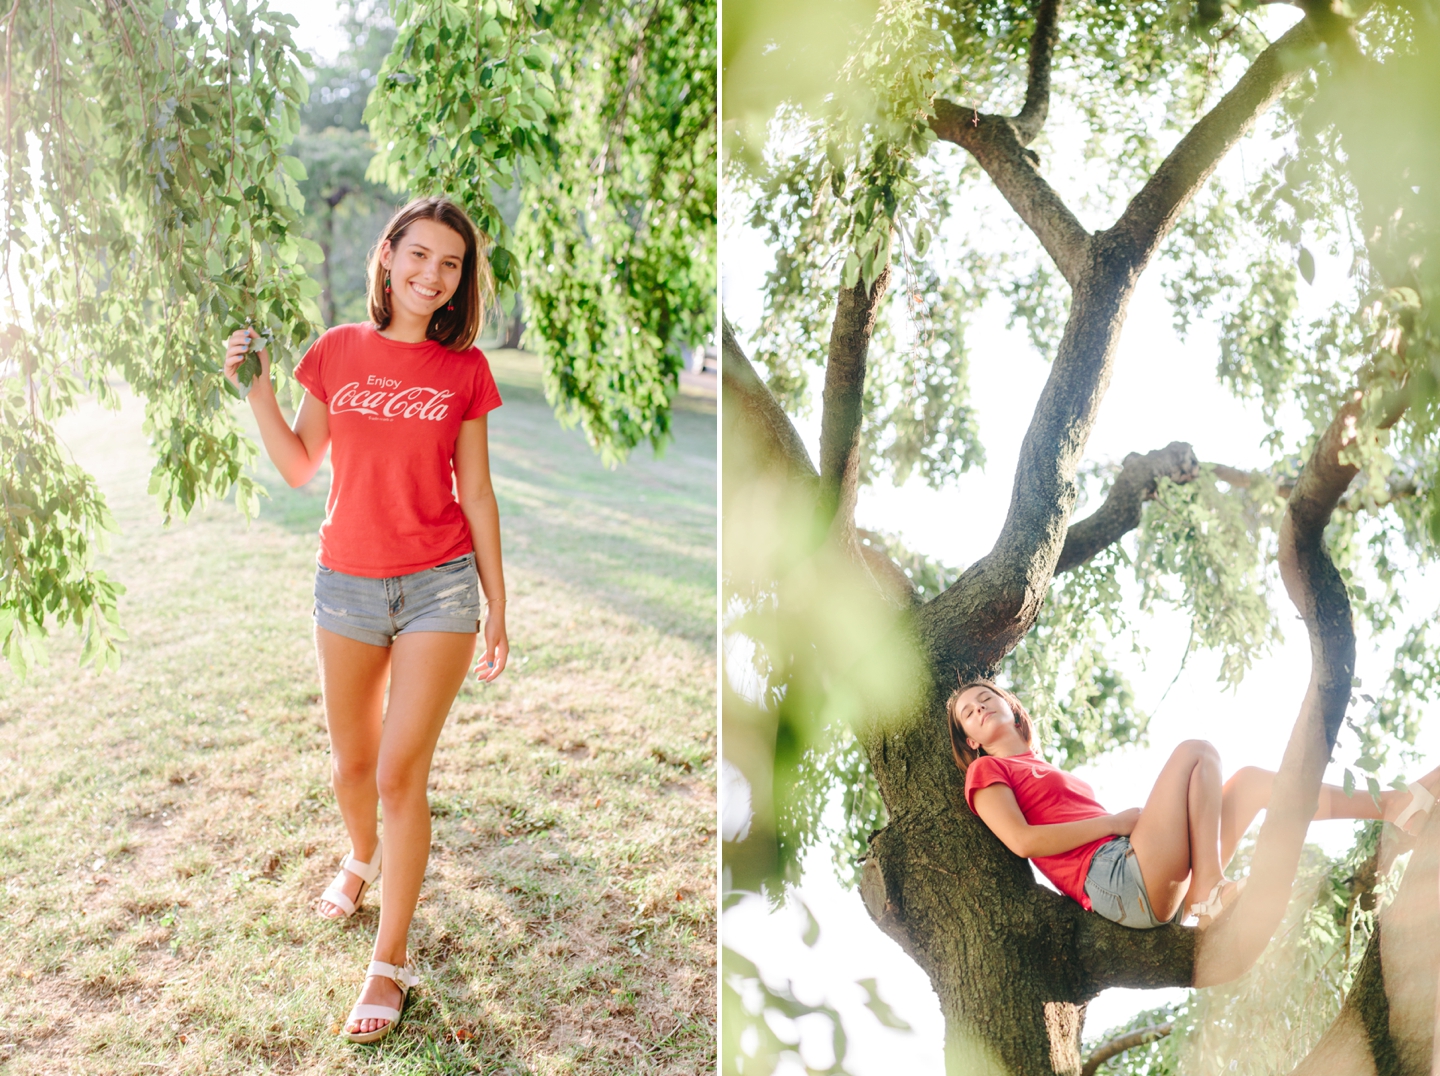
x=165 y=829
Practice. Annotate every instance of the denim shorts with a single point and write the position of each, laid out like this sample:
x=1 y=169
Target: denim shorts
x=1117 y=891
x=443 y=598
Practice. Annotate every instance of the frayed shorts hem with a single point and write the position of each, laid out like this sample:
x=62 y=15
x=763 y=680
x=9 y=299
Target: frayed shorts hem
x=375 y=638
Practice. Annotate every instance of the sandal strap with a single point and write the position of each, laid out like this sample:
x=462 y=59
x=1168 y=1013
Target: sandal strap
x=1420 y=803
x=1214 y=902
x=367 y=872
x=336 y=896
x=399 y=972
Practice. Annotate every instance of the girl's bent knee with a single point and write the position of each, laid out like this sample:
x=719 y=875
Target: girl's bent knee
x=1198 y=749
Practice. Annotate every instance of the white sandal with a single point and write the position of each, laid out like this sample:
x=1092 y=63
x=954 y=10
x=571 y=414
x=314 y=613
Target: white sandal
x=1420 y=803
x=366 y=872
x=1215 y=902
x=404 y=979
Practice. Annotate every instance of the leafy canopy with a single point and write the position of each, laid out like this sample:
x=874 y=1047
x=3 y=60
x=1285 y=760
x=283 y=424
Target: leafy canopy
x=605 y=116
x=150 y=208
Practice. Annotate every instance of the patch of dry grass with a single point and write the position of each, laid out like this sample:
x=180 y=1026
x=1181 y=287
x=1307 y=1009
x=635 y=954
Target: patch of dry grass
x=165 y=829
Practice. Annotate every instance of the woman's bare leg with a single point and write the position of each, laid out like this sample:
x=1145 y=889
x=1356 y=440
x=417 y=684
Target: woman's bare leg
x=352 y=682
x=1247 y=793
x=426 y=671
x=1177 y=839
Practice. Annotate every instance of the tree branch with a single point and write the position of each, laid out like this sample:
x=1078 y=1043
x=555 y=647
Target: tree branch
x=1153 y=212
x=998 y=147
x=751 y=407
x=1037 y=90
x=843 y=409
x=1230 y=946
x=1120 y=513
x=1118 y=1045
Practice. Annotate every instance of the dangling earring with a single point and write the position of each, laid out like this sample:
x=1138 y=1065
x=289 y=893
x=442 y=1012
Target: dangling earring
x=387 y=283
x=449 y=306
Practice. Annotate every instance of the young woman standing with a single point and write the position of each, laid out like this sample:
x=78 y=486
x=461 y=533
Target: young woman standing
x=411 y=516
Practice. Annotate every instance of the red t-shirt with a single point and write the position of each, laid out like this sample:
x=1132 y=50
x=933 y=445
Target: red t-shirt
x=1046 y=795
x=395 y=413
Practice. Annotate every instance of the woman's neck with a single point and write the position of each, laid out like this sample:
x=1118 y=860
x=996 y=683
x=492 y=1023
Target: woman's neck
x=405 y=328
x=1008 y=747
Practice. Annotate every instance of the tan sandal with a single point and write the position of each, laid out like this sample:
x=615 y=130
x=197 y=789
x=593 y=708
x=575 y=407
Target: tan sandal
x=405 y=979
x=1215 y=902
x=366 y=872
x=1420 y=803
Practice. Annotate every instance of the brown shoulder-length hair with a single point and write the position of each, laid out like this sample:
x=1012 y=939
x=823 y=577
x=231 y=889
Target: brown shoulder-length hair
x=963 y=752
x=457 y=328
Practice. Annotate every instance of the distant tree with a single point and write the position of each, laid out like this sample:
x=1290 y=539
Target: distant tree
x=344 y=211
x=943 y=115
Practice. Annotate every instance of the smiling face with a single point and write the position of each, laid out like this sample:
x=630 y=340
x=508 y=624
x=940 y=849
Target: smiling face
x=424 y=266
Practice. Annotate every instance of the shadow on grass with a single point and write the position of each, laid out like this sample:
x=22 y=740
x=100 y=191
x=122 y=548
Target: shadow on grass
x=639 y=539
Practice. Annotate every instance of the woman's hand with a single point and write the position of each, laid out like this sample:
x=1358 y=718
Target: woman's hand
x=1123 y=824
x=497 y=645
x=236 y=350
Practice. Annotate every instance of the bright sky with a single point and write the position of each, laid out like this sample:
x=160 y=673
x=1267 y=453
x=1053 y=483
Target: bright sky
x=1163 y=390
x=319 y=30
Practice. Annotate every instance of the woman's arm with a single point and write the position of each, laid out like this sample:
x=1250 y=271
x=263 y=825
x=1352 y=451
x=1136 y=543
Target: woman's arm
x=477 y=501
x=996 y=806
x=296 y=453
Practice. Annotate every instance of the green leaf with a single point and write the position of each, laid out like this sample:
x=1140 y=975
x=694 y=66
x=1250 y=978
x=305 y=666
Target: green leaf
x=881 y=1010
x=295 y=168
x=1307 y=265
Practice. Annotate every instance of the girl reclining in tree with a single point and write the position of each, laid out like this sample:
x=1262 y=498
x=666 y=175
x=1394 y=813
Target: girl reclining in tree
x=1137 y=868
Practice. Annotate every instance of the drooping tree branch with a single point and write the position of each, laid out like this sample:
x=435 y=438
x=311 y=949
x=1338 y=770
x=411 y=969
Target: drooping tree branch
x=842 y=413
x=1120 y=514
x=997 y=147
x=752 y=408
x=1118 y=1045
x=1153 y=211
x=1031 y=117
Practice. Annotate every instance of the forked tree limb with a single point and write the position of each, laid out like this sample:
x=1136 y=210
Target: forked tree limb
x=997 y=146
x=1031 y=118
x=843 y=408
x=1152 y=213
x=1120 y=514
x=984 y=614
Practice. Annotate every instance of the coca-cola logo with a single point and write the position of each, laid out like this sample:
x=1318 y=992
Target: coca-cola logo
x=384 y=398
